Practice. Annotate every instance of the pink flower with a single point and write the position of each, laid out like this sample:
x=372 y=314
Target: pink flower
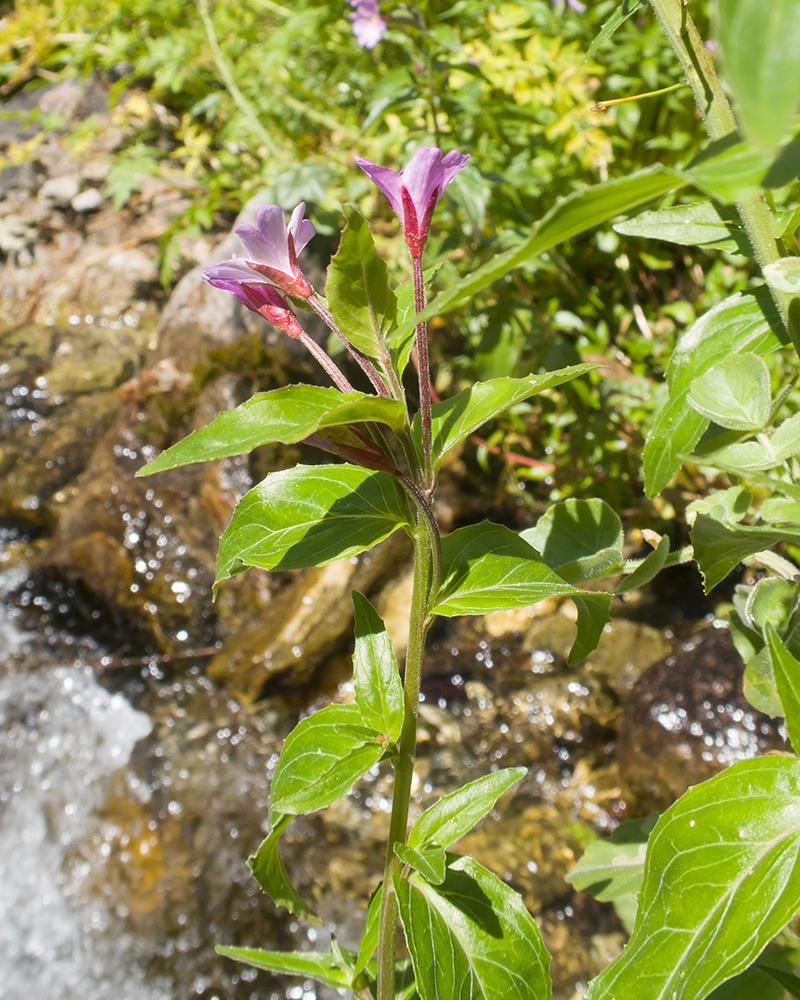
x=415 y=192
x=262 y=299
x=272 y=248
x=368 y=25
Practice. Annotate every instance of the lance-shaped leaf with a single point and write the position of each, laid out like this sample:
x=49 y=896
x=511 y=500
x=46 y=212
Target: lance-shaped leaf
x=579 y=539
x=614 y=866
x=430 y=861
x=309 y=516
x=323 y=967
x=722 y=877
x=719 y=548
x=647 y=570
x=358 y=290
x=471 y=937
x=268 y=871
x=730 y=170
x=487 y=567
x=620 y=16
x=286 y=415
x=454 y=815
x=740 y=323
x=379 y=694
x=700 y=224
x=369 y=938
x=788 y=980
x=594 y=613
x=787 y=678
x=759 y=45
x=569 y=216
x=735 y=393
x=322 y=758
x=454 y=419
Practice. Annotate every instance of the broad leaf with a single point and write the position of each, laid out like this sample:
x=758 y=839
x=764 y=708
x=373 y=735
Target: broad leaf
x=759 y=43
x=487 y=567
x=471 y=938
x=735 y=393
x=322 y=758
x=722 y=877
x=323 y=967
x=771 y=602
x=614 y=866
x=744 y=457
x=454 y=815
x=729 y=505
x=784 y=274
x=454 y=419
x=741 y=323
x=776 y=510
x=730 y=170
x=648 y=569
x=620 y=16
x=569 y=216
x=700 y=224
x=785 y=441
x=719 y=548
x=309 y=516
x=268 y=871
x=579 y=539
x=379 y=694
x=358 y=290
x=430 y=861
x=787 y=677
x=287 y=415
x=594 y=613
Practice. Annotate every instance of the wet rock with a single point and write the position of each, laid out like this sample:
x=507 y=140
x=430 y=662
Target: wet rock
x=87 y=201
x=304 y=624
x=58 y=192
x=685 y=720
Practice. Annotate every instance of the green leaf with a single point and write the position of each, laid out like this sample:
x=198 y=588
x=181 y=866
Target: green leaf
x=322 y=758
x=430 y=861
x=775 y=510
x=722 y=877
x=309 y=516
x=614 y=866
x=784 y=274
x=752 y=984
x=785 y=441
x=579 y=539
x=268 y=870
x=735 y=393
x=487 y=567
x=358 y=292
x=719 y=548
x=369 y=939
x=454 y=815
x=730 y=170
x=379 y=694
x=471 y=938
x=454 y=419
x=401 y=338
x=787 y=677
x=744 y=457
x=738 y=324
x=620 y=16
x=311 y=964
x=700 y=224
x=771 y=602
x=729 y=505
x=287 y=415
x=759 y=45
x=569 y=216
x=594 y=613
x=649 y=568
x=758 y=683
x=788 y=980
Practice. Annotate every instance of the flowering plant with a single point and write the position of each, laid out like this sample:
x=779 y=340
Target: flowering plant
x=721 y=874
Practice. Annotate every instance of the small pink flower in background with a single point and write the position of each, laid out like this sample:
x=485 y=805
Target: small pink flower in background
x=264 y=300
x=368 y=25
x=574 y=4
x=416 y=190
x=272 y=248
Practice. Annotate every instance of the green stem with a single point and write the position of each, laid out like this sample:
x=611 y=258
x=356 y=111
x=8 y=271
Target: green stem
x=719 y=120
x=404 y=767
x=424 y=372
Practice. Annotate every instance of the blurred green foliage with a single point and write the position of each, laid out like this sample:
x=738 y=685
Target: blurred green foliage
x=265 y=95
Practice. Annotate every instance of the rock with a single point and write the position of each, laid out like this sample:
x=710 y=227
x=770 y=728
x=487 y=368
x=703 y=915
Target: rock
x=87 y=201
x=58 y=192
x=15 y=234
x=685 y=720
x=19 y=177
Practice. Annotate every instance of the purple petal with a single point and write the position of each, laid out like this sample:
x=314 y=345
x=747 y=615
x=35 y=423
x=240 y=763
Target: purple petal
x=422 y=175
x=235 y=269
x=300 y=228
x=368 y=25
x=387 y=181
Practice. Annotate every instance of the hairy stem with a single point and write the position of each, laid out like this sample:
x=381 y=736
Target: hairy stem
x=424 y=371
x=404 y=767
x=719 y=120
x=330 y=366
x=366 y=365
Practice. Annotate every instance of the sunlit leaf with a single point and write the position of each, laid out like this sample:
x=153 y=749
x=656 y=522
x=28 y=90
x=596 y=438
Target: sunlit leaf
x=734 y=393
x=268 y=871
x=430 y=861
x=787 y=677
x=310 y=964
x=700 y=224
x=579 y=539
x=379 y=694
x=614 y=866
x=719 y=548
